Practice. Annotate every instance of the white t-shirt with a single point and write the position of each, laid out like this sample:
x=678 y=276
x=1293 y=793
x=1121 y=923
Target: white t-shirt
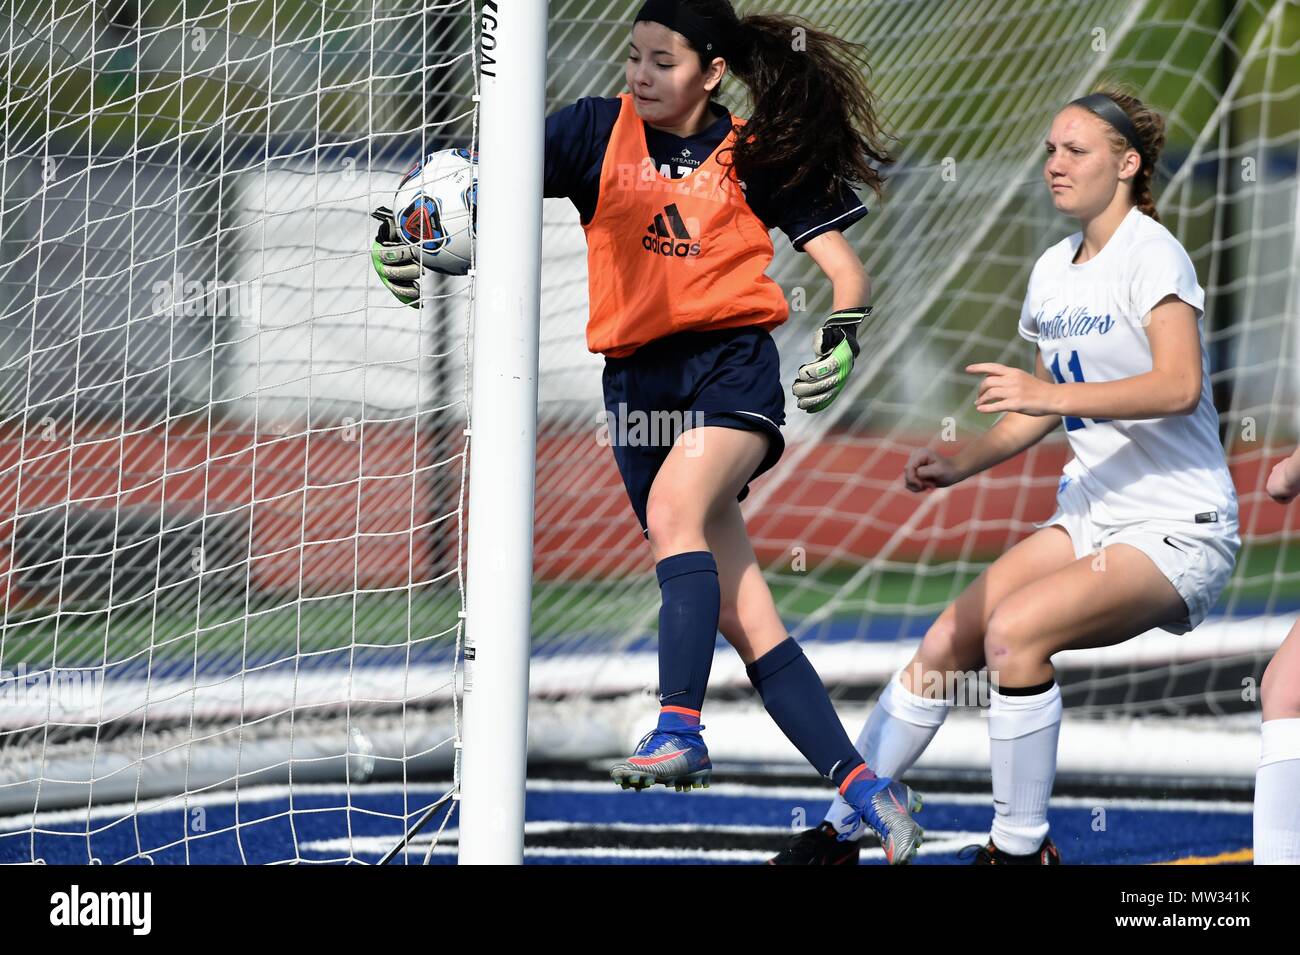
x=1088 y=322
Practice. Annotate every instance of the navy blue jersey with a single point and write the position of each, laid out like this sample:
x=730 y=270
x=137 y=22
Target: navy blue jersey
x=577 y=135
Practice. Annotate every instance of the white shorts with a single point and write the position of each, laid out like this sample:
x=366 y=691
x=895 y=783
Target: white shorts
x=1197 y=559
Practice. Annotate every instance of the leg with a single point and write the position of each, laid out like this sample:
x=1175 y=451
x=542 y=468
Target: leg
x=748 y=617
x=1095 y=601
x=787 y=682
x=912 y=706
x=693 y=485
x=955 y=641
x=1279 y=691
x=790 y=688
x=1277 y=780
x=696 y=482
x=698 y=477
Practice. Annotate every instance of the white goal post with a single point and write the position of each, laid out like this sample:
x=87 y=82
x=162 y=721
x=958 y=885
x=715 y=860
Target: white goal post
x=503 y=437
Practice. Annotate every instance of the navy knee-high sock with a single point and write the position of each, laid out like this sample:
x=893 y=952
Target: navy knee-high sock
x=688 y=630
x=797 y=701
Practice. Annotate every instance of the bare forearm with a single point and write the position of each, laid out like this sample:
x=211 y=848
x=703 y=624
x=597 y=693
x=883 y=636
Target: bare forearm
x=1155 y=394
x=852 y=287
x=1013 y=433
x=839 y=260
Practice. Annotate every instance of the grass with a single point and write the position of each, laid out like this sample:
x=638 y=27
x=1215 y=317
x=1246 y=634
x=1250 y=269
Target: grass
x=172 y=634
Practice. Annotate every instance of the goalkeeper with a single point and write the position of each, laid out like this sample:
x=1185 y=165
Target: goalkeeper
x=677 y=197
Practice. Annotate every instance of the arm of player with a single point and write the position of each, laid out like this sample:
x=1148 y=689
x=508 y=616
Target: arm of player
x=1013 y=433
x=1171 y=387
x=1284 y=480
x=835 y=343
x=848 y=277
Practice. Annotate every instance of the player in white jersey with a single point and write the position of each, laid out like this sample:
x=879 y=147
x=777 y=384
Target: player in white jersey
x=1277 y=780
x=1145 y=531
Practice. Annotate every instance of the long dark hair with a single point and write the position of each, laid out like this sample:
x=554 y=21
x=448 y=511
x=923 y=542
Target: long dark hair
x=814 y=115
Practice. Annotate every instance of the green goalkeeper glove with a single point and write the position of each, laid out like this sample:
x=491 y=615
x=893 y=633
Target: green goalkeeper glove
x=836 y=346
x=397 y=263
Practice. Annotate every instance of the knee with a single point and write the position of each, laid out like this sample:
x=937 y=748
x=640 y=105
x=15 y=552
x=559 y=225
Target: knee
x=1005 y=638
x=671 y=525
x=948 y=646
x=1279 y=690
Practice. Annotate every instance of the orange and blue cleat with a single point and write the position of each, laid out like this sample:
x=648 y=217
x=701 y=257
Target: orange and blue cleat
x=886 y=806
x=674 y=758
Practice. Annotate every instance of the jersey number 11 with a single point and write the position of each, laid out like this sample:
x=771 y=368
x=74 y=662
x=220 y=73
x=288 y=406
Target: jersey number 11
x=1076 y=369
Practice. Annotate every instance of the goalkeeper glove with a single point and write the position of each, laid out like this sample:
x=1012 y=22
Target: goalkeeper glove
x=836 y=346
x=397 y=263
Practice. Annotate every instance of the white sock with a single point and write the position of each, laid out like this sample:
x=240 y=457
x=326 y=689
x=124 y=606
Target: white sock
x=1277 y=794
x=896 y=733
x=1022 y=747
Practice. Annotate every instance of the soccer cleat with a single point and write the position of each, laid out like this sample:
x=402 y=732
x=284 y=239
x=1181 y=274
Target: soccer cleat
x=670 y=758
x=992 y=855
x=887 y=806
x=820 y=846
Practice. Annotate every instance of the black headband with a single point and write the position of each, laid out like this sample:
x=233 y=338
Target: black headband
x=1105 y=108
x=706 y=35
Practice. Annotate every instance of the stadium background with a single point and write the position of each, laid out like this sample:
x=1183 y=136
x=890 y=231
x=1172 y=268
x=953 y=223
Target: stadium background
x=263 y=470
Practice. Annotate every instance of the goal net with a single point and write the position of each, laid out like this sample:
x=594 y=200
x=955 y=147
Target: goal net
x=231 y=464
x=859 y=566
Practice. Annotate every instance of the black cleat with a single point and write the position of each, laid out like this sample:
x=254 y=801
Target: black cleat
x=820 y=846
x=992 y=855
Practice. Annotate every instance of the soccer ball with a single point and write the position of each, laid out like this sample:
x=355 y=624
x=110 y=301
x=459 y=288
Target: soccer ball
x=436 y=208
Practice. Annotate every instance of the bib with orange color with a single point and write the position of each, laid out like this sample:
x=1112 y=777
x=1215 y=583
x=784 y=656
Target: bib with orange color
x=672 y=255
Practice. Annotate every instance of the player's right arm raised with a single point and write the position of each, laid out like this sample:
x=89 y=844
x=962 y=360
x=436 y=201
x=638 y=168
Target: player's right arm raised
x=927 y=469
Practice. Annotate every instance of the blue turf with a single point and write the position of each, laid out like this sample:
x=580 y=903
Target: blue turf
x=265 y=833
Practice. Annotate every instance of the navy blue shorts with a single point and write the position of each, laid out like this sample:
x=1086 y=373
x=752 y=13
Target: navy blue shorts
x=729 y=378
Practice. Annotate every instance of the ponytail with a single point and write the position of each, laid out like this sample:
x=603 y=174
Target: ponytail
x=814 y=117
x=1150 y=128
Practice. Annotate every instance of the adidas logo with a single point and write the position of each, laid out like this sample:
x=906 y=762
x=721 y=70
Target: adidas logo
x=675 y=243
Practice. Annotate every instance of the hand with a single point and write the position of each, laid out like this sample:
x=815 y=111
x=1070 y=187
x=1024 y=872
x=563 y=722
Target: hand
x=835 y=344
x=1279 y=485
x=397 y=263
x=1010 y=389
x=926 y=469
